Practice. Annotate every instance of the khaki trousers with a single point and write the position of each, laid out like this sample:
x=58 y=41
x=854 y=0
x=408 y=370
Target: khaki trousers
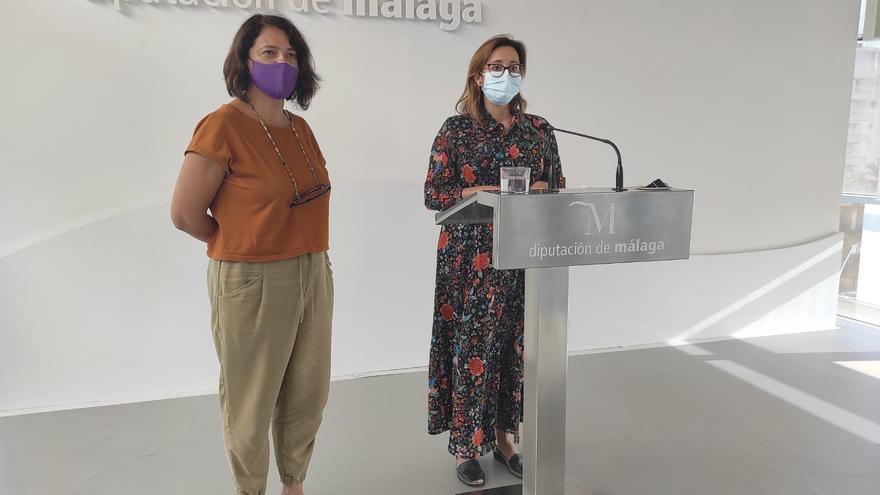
x=271 y=324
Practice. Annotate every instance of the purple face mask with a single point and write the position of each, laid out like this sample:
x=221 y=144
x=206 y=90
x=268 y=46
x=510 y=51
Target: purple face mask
x=274 y=80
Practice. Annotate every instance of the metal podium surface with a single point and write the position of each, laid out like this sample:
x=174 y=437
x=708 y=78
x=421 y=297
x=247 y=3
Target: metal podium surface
x=545 y=233
x=580 y=226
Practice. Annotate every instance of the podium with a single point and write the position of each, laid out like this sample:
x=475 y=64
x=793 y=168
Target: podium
x=544 y=233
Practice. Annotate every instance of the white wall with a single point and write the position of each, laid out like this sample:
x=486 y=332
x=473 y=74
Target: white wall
x=101 y=300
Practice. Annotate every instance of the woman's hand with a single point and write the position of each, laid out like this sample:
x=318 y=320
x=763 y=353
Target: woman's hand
x=470 y=191
x=540 y=185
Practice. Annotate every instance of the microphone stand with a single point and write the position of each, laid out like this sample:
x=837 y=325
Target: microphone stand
x=619 y=179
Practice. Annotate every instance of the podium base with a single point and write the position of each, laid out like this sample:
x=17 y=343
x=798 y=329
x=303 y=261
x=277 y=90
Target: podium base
x=572 y=487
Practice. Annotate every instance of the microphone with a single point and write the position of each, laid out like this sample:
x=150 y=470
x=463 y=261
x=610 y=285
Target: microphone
x=619 y=179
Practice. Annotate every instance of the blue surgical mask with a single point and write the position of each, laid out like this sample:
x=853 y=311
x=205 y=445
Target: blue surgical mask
x=501 y=90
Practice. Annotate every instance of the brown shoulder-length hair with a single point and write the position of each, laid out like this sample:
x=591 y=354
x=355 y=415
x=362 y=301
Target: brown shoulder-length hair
x=236 y=70
x=471 y=101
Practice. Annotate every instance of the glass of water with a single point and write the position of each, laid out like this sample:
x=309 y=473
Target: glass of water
x=515 y=180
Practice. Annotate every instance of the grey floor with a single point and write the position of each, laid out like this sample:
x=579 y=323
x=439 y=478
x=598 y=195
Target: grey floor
x=774 y=415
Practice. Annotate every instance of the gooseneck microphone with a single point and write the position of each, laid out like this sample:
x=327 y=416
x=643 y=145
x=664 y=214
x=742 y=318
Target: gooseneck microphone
x=552 y=180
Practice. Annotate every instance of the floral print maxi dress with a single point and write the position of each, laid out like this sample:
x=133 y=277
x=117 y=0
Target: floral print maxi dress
x=475 y=376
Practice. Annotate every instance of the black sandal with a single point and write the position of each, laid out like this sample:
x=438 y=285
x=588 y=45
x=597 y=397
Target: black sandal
x=514 y=464
x=470 y=473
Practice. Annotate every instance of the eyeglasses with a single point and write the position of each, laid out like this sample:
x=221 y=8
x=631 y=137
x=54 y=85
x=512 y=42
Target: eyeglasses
x=310 y=194
x=496 y=70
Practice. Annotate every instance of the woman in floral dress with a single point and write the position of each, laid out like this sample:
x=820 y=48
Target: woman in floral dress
x=476 y=361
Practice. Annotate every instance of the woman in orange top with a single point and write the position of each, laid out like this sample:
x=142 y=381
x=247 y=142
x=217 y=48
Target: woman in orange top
x=259 y=171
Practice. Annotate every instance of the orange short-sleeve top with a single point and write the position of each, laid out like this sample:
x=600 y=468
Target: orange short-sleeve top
x=255 y=222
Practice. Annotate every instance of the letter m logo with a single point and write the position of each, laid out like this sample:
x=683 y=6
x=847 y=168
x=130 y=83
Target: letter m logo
x=595 y=223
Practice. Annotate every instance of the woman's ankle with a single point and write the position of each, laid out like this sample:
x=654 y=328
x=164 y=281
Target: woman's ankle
x=292 y=489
